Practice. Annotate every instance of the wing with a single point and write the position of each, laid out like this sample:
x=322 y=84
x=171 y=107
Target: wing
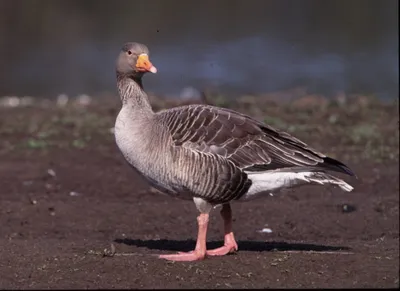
x=248 y=143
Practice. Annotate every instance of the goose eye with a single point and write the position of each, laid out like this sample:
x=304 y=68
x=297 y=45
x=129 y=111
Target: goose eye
x=129 y=52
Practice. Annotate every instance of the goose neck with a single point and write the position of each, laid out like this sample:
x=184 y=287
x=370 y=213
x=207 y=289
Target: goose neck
x=133 y=95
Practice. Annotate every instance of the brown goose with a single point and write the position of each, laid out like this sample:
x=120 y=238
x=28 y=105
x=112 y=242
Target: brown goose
x=209 y=154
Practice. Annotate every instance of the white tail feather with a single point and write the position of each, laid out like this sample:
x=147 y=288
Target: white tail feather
x=272 y=182
x=330 y=180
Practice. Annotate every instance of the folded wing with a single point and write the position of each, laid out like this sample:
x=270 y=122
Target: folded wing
x=251 y=145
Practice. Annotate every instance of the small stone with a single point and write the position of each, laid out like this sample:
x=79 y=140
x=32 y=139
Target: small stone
x=347 y=208
x=109 y=252
x=51 y=172
x=52 y=211
x=266 y=230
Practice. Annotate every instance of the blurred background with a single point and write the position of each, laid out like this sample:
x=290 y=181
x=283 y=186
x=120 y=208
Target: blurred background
x=53 y=47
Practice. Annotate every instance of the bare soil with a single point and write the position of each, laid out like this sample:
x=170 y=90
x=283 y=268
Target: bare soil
x=68 y=199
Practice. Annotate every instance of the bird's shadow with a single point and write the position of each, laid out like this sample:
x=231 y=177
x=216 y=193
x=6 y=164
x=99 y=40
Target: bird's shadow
x=252 y=246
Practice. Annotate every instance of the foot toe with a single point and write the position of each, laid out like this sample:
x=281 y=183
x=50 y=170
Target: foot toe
x=183 y=257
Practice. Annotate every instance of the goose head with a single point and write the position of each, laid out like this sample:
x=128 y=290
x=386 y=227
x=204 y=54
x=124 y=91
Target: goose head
x=133 y=61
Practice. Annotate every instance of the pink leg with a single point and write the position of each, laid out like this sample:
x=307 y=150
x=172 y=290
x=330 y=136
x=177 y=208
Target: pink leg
x=200 y=251
x=230 y=244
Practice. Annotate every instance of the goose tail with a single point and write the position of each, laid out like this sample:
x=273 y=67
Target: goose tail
x=324 y=178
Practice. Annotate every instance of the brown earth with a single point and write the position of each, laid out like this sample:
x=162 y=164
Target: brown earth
x=66 y=195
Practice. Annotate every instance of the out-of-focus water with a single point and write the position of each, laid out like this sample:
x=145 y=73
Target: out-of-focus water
x=50 y=47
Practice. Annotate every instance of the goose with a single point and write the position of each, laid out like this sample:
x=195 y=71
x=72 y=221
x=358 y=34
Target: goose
x=208 y=154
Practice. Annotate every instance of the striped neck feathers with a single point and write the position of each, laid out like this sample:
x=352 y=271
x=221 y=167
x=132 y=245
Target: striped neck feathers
x=131 y=92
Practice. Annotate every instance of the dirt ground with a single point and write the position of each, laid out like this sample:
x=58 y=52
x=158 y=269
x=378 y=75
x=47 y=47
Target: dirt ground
x=67 y=195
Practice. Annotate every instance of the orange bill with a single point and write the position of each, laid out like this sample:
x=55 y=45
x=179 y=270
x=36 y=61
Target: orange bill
x=143 y=64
